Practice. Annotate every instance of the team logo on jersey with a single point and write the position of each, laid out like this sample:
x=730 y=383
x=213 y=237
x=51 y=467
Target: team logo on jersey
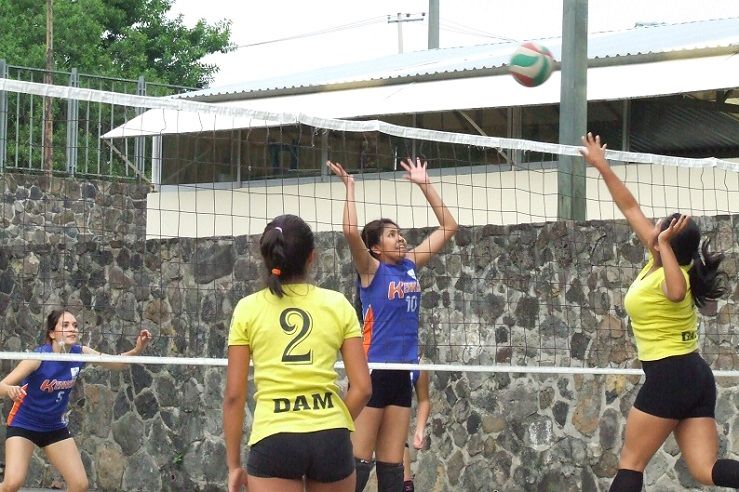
x=400 y=289
x=74 y=371
x=412 y=274
x=51 y=385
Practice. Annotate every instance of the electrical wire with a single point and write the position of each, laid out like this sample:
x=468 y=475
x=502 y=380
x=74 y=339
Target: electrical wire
x=343 y=27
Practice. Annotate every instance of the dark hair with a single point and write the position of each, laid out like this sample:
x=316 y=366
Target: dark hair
x=371 y=235
x=51 y=320
x=706 y=282
x=286 y=245
x=372 y=232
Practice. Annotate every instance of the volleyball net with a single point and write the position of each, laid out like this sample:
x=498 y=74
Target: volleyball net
x=170 y=242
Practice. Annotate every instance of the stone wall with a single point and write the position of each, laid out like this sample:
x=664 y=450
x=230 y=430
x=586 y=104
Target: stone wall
x=534 y=295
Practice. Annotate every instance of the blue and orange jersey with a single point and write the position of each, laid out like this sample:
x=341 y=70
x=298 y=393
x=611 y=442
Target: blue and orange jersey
x=390 y=307
x=44 y=406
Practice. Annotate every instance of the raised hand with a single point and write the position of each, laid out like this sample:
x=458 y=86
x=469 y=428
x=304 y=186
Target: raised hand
x=676 y=226
x=142 y=340
x=339 y=171
x=593 y=152
x=415 y=172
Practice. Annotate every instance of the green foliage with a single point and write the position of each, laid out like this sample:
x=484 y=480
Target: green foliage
x=114 y=38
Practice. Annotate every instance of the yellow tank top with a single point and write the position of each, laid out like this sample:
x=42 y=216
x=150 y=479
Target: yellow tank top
x=662 y=328
x=294 y=343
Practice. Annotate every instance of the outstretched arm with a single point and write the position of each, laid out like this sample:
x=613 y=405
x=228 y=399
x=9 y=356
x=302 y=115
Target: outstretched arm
x=421 y=254
x=142 y=340
x=423 y=410
x=365 y=264
x=594 y=154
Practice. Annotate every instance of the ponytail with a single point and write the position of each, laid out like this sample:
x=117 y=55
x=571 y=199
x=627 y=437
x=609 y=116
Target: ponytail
x=286 y=244
x=706 y=282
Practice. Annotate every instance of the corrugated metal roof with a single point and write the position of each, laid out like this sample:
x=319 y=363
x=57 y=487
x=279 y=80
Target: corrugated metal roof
x=655 y=40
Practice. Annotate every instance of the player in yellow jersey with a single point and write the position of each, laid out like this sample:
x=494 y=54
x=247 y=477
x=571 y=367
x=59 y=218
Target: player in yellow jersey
x=293 y=331
x=679 y=393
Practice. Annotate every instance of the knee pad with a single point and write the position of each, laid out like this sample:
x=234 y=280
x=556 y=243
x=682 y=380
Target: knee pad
x=627 y=481
x=363 y=468
x=389 y=477
x=725 y=473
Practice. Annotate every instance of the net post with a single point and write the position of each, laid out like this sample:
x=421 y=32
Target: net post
x=3 y=116
x=573 y=109
x=72 y=125
x=139 y=143
x=324 y=155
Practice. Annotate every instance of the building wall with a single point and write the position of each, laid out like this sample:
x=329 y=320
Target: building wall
x=475 y=198
x=528 y=294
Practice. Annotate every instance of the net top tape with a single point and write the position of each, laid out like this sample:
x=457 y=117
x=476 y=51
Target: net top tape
x=175 y=104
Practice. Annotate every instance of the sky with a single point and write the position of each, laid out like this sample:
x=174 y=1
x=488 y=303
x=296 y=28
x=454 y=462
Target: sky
x=463 y=22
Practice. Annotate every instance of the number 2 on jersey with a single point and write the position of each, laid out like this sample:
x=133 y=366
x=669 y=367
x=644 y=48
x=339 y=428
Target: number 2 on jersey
x=297 y=322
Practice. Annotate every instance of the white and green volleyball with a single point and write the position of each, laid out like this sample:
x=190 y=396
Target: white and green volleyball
x=531 y=64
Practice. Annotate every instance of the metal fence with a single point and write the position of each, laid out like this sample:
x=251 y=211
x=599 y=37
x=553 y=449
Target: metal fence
x=76 y=146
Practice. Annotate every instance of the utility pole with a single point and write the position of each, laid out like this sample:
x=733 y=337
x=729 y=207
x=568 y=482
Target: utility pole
x=433 y=24
x=48 y=140
x=573 y=108
x=400 y=19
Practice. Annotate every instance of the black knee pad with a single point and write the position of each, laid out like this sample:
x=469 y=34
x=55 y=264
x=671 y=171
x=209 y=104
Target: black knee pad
x=389 y=477
x=627 y=481
x=363 y=468
x=725 y=473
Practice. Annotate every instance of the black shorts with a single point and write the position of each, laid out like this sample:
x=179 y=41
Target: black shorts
x=678 y=387
x=324 y=456
x=40 y=439
x=390 y=387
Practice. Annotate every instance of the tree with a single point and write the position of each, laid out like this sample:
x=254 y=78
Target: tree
x=115 y=38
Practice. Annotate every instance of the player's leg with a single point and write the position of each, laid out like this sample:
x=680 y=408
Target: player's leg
x=697 y=435
x=643 y=437
x=363 y=439
x=407 y=472
x=65 y=457
x=698 y=441
x=18 y=452
x=393 y=433
x=390 y=447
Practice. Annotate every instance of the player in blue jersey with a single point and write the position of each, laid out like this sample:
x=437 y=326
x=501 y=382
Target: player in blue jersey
x=390 y=296
x=40 y=390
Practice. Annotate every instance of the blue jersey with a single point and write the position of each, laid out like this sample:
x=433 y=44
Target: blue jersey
x=44 y=406
x=415 y=374
x=390 y=311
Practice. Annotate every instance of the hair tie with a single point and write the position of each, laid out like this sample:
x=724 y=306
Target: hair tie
x=279 y=229
x=276 y=272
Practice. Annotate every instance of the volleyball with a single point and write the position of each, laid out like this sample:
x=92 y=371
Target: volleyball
x=531 y=64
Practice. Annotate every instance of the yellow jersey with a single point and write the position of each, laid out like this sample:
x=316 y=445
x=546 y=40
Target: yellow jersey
x=662 y=328
x=294 y=342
